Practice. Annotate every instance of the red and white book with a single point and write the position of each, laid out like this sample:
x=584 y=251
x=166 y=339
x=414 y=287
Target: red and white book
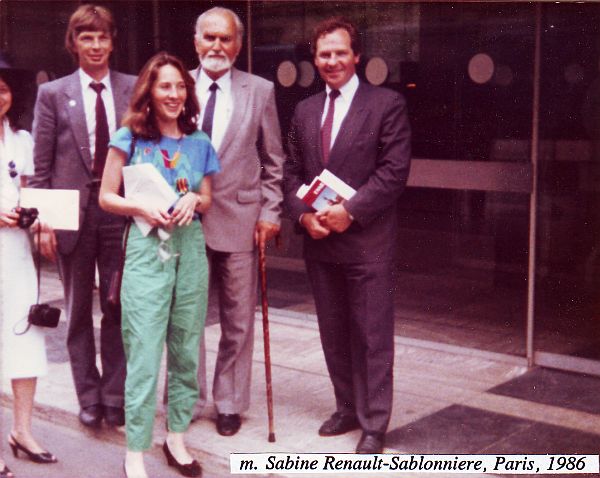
x=326 y=189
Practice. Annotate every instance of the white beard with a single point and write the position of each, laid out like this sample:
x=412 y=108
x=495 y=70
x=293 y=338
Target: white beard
x=216 y=64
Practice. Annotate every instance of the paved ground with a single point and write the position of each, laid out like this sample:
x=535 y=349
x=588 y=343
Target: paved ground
x=85 y=455
x=453 y=401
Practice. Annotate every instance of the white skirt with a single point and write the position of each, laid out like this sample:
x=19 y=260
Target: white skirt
x=23 y=356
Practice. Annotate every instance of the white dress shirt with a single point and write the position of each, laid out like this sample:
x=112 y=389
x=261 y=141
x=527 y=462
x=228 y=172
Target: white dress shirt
x=342 y=105
x=223 y=104
x=89 y=106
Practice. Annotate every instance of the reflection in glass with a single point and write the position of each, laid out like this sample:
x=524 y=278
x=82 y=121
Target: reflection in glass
x=307 y=74
x=286 y=73
x=481 y=68
x=376 y=71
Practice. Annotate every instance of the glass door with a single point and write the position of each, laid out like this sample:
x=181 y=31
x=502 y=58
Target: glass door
x=567 y=325
x=466 y=70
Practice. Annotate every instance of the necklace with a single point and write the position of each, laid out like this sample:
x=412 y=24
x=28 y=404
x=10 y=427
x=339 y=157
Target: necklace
x=171 y=162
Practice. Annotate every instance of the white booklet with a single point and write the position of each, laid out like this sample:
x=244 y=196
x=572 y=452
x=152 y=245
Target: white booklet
x=59 y=208
x=145 y=184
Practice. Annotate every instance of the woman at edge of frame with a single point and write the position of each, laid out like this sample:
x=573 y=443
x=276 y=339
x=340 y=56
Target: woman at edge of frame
x=165 y=277
x=23 y=353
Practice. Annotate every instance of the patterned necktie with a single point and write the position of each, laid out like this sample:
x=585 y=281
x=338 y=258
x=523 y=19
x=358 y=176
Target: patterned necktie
x=328 y=125
x=209 y=113
x=102 y=134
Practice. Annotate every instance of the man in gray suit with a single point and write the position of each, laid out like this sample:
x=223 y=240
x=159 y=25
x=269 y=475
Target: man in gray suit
x=73 y=119
x=239 y=114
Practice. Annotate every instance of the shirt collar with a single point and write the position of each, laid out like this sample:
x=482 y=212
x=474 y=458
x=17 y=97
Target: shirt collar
x=8 y=132
x=348 y=90
x=86 y=79
x=224 y=81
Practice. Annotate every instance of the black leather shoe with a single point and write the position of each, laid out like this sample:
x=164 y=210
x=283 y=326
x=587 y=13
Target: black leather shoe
x=370 y=444
x=91 y=416
x=114 y=416
x=338 y=424
x=192 y=469
x=6 y=473
x=228 y=424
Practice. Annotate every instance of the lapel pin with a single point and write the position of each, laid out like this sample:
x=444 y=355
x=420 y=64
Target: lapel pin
x=72 y=103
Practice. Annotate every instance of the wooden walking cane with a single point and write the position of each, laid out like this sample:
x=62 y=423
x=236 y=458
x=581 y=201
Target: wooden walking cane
x=262 y=267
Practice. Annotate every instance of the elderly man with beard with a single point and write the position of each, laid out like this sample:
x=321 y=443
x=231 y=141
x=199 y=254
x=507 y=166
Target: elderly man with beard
x=238 y=112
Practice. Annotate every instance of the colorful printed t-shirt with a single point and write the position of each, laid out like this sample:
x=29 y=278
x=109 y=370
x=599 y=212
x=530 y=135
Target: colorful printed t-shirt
x=182 y=162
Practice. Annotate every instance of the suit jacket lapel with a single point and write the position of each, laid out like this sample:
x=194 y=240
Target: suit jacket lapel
x=239 y=93
x=315 y=126
x=121 y=95
x=349 y=130
x=76 y=113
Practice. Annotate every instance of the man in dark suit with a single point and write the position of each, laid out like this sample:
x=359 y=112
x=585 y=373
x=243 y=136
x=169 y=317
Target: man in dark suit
x=361 y=134
x=73 y=119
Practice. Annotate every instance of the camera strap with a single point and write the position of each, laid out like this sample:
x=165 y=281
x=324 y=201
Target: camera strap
x=38 y=262
x=38 y=266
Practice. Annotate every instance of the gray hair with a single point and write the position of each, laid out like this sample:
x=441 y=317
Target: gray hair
x=239 y=26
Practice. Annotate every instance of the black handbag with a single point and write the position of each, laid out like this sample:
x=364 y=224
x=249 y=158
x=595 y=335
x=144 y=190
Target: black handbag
x=114 y=287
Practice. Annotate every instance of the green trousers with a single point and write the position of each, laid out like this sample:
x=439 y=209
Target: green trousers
x=162 y=301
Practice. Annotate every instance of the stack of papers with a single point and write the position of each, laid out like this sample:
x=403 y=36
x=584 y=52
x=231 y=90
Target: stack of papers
x=59 y=208
x=145 y=184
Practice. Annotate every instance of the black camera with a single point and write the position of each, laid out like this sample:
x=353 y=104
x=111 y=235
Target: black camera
x=27 y=216
x=43 y=315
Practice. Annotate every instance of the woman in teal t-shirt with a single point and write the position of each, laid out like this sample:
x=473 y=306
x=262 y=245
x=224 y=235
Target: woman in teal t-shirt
x=165 y=278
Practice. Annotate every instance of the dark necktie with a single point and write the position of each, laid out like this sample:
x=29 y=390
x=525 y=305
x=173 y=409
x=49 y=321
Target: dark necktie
x=102 y=134
x=328 y=125
x=209 y=112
